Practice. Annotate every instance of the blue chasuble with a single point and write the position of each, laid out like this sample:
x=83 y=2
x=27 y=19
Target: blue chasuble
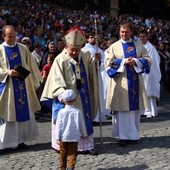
x=20 y=93
x=132 y=77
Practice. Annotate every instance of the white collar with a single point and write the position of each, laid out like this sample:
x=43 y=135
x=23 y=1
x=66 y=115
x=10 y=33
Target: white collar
x=7 y=45
x=123 y=41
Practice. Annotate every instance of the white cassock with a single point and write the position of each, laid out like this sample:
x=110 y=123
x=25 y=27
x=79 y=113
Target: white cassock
x=102 y=81
x=152 y=81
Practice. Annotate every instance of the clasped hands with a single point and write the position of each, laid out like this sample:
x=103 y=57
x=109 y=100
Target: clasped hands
x=130 y=61
x=97 y=57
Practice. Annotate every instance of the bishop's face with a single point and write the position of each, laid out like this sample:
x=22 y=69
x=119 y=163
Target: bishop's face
x=73 y=52
x=125 y=33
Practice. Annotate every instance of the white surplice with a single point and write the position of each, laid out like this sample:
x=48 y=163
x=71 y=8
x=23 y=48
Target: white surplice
x=152 y=81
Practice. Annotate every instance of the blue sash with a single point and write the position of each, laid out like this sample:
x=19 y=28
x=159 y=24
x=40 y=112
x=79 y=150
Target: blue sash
x=132 y=77
x=2 y=86
x=56 y=106
x=20 y=93
x=146 y=66
x=85 y=98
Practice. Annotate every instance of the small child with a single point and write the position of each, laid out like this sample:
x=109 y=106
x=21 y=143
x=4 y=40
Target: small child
x=69 y=130
x=46 y=69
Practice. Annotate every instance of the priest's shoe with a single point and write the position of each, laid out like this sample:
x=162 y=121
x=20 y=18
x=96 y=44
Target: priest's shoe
x=123 y=143
x=23 y=146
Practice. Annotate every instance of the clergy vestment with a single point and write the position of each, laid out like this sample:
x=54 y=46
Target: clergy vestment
x=18 y=99
x=152 y=81
x=65 y=73
x=126 y=94
x=102 y=80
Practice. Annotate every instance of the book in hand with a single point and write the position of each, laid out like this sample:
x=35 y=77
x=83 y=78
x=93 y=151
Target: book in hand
x=23 y=72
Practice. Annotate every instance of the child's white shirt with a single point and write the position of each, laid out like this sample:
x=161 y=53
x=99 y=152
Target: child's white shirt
x=69 y=126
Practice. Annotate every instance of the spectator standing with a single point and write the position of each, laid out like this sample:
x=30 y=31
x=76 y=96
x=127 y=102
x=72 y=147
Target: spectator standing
x=27 y=41
x=52 y=49
x=19 y=32
x=164 y=59
x=60 y=46
x=151 y=80
x=167 y=66
x=46 y=69
x=28 y=33
x=39 y=37
x=18 y=100
x=110 y=41
x=125 y=60
x=37 y=54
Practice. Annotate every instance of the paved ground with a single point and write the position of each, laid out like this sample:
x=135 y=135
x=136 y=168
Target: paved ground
x=152 y=152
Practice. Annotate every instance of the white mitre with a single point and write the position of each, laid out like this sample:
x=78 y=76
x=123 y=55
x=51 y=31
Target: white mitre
x=75 y=37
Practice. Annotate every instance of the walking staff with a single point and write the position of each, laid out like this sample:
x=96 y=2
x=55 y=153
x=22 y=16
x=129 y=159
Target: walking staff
x=98 y=74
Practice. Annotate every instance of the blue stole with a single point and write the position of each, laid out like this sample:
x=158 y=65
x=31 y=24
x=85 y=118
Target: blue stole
x=20 y=93
x=56 y=106
x=2 y=86
x=132 y=77
x=85 y=98
x=112 y=71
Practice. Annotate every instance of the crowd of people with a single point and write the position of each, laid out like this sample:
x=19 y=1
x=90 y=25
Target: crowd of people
x=114 y=61
x=45 y=22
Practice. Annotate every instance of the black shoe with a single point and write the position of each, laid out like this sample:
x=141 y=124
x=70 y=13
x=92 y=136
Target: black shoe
x=90 y=152
x=7 y=150
x=83 y=152
x=132 y=141
x=143 y=116
x=93 y=152
x=96 y=123
x=23 y=146
x=123 y=143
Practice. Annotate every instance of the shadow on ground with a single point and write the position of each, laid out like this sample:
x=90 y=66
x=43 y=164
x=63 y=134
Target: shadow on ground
x=141 y=167
x=111 y=146
x=36 y=147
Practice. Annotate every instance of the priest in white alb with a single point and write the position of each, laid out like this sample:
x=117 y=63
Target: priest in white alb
x=151 y=80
